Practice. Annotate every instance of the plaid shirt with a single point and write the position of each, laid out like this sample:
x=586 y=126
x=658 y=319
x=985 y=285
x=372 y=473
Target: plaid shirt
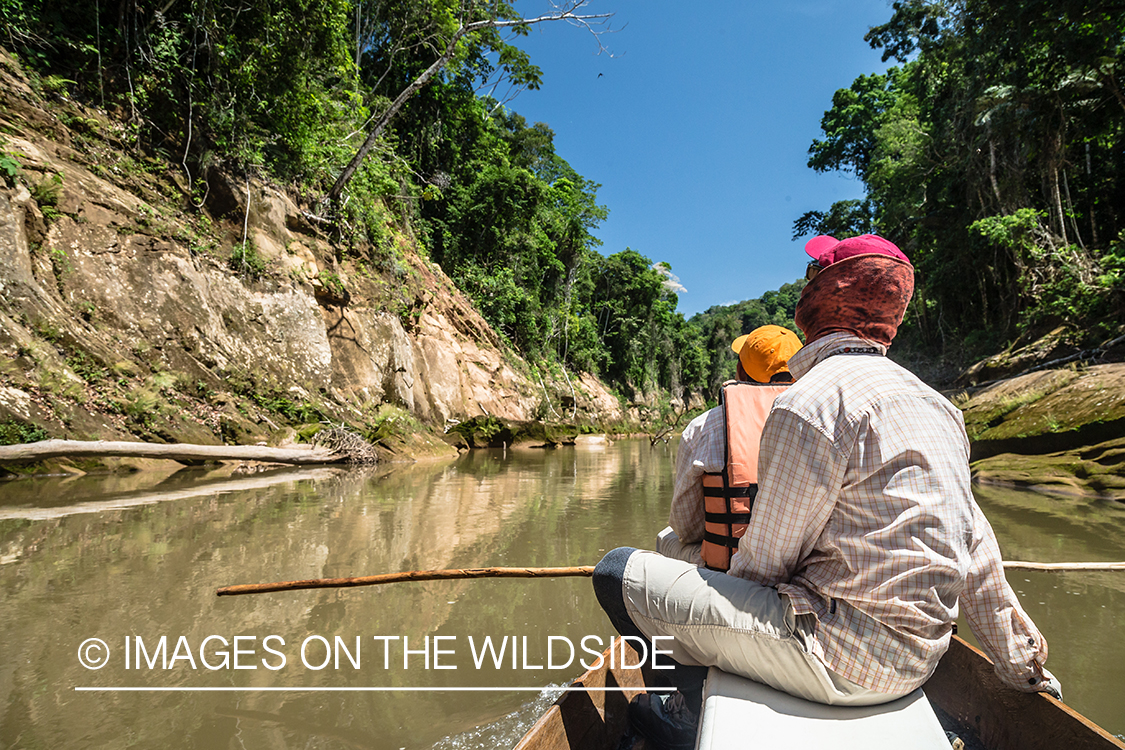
x=865 y=518
x=701 y=450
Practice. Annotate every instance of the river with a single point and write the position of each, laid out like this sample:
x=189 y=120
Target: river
x=133 y=559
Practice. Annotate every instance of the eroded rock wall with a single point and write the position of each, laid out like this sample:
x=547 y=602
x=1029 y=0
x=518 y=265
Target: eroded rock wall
x=110 y=277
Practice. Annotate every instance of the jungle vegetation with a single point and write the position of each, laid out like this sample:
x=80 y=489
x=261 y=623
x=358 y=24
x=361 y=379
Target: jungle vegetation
x=291 y=90
x=994 y=155
x=991 y=153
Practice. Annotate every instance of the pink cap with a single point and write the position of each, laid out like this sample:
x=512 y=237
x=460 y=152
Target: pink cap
x=827 y=250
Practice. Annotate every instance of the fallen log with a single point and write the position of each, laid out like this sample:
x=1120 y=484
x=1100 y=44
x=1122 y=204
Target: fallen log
x=175 y=451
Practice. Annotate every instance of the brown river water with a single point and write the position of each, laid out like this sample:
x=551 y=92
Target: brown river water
x=131 y=560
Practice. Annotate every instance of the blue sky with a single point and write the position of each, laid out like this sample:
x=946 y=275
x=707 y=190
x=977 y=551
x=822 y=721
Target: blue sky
x=698 y=128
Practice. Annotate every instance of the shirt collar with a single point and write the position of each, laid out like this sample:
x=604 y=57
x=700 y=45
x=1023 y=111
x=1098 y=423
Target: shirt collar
x=840 y=342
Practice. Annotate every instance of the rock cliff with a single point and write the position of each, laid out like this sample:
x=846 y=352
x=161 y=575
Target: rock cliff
x=138 y=300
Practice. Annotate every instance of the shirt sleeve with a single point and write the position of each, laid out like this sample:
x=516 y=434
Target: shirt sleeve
x=799 y=476
x=700 y=451
x=1006 y=633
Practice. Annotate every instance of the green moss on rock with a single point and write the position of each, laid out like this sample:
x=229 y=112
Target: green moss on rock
x=1098 y=470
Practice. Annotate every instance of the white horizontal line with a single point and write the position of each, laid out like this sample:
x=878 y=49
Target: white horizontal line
x=360 y=689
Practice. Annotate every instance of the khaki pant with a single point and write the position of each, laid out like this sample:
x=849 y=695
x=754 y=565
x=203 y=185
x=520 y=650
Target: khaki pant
x=737 y=625
x=668 y=544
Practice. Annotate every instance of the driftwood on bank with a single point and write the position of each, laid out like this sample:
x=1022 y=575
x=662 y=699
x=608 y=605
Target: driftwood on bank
x=410 y=575
x=669 y=428
x=1083 y=356
x=175 y=451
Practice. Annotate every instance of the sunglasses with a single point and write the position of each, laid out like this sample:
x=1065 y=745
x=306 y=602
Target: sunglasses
x=811 y=270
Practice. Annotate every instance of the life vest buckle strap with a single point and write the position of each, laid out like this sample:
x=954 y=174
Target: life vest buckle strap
x=750 y=491
x=729 y=494
x=722 y=541
x=726 y=518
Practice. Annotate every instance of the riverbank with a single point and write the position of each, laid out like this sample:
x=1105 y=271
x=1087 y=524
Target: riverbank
x=1058 y=430
x=315 y=444
x=136 y=309
x=1097 y=470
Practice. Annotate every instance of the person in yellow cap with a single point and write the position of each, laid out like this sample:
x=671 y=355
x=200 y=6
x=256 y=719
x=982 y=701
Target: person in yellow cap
x=763 y=354
x=716 y=462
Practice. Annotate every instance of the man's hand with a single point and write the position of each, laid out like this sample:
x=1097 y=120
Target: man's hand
x=1051 y=685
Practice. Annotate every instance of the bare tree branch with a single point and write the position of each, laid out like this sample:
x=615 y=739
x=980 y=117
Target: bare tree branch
x=565 y=13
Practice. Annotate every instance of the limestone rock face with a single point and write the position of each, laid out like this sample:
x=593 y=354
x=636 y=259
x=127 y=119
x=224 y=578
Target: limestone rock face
x=108 y=275
x=153 y=290
x=372 y=355
x=15 y=262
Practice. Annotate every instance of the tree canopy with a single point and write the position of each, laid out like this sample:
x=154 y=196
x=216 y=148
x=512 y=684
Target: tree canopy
x=294 y=90
x=993 y=156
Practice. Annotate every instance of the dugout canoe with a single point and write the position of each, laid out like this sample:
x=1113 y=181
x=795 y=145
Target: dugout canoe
x=966 y=695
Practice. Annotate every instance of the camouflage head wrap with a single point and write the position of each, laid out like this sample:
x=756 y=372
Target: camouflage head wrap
x=864 y=294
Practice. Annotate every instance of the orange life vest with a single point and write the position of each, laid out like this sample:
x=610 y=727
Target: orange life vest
x=728 y=495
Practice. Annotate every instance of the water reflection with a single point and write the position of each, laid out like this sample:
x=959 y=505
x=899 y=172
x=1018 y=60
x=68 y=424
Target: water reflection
x=1080 y=612
x=141 y=556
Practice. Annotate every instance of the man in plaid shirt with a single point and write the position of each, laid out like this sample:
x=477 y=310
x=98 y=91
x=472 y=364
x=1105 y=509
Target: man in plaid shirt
x=865 y=537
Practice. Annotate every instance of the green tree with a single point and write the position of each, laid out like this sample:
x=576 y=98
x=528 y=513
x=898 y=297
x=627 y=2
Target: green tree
x=1000 y=132
x=466 y=33
x=292 y=90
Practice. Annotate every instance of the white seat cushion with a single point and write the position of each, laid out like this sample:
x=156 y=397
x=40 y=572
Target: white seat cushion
x=740 y=713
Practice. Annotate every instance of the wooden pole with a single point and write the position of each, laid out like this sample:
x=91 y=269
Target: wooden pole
x=579 y=570
x=1017 y=565
x=410 y=575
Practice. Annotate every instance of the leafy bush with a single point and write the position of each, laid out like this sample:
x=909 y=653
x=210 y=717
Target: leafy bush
x=55 y=84
x=483 y=431
x=142 y=406
x=86 y=367
x=246 y=261
x=1057 y=284
x=332 y=283
x=296 y=412
x=9 y=167
x=15 y=432
x=47 y=193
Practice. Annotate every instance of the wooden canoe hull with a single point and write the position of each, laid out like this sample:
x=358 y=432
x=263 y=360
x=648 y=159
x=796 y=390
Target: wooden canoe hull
x=964 y=688
x=593 y=720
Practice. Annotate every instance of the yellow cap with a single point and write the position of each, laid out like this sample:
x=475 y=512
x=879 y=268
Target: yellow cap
x=765 y=351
